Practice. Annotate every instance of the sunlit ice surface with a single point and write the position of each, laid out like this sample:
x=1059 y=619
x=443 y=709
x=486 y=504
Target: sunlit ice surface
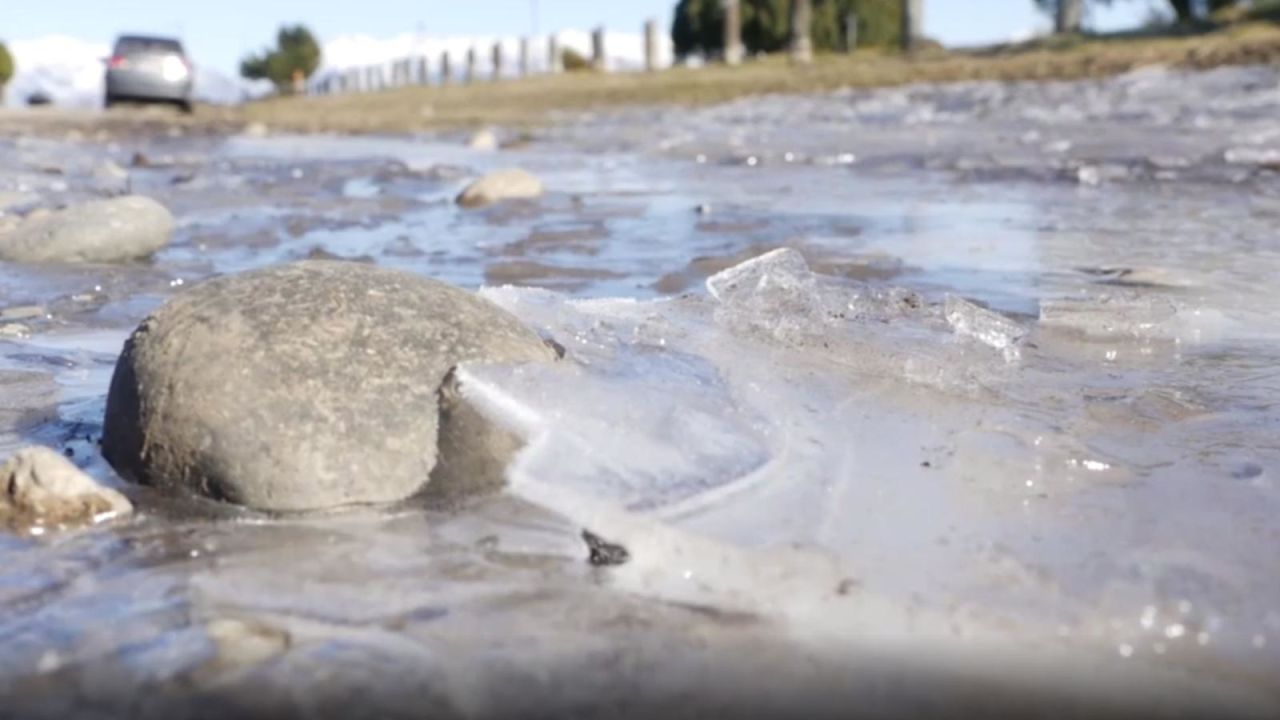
x=968 y=393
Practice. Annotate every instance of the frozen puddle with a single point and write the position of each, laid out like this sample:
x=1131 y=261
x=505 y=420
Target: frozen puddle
x=862 y=465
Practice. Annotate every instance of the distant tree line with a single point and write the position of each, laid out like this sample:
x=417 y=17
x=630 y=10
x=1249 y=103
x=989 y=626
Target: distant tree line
x=1188 y=10
x=698 y=26
x=1183 y=10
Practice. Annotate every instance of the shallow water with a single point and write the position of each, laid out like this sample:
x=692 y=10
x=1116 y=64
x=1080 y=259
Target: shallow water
x=823 y=462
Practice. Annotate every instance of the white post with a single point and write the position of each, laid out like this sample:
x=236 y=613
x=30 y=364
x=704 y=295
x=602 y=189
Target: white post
x=802 y=31
x=732 y=32
x=554 y=61
x=597 y=49
x=850 y=32
x=1070 y=15
x=651 y=45
x=912 y=24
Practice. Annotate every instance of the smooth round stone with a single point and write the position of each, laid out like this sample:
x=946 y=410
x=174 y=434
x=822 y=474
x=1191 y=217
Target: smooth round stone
x=299 y=387
x=123 y=228
x=499 y=185
x=484 y=140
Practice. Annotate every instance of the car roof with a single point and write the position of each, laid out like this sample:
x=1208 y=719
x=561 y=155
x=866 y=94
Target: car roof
x=149 y=40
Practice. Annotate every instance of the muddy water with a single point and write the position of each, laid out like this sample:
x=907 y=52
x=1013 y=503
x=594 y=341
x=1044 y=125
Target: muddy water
x=820 y=471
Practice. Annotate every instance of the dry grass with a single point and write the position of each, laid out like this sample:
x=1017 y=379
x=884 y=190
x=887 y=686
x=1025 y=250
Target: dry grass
x=533 y=101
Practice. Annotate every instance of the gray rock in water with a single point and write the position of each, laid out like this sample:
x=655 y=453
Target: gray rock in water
x=41 y=488
x=510 y=184
x=300 y=387
x=122 y=228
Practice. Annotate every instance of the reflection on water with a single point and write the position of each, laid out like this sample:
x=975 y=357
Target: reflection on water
x=816 y=454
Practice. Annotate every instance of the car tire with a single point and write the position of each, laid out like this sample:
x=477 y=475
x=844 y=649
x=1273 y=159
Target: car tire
x=186 y=107
x=107 y=102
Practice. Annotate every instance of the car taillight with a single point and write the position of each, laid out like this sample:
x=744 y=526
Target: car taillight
x=117 y=61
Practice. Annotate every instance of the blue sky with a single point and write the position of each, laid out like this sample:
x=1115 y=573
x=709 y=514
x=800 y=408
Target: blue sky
x=218 y=32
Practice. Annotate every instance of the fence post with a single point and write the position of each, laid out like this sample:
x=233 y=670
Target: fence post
x=497 y=60
x=851 y=32
x=446 y=68
x=802 y=31
x=554 y=61
x=651 y=45
x=597 y=49
x=524 y=56
x=912 y=20
x=470 y=76
x=732 y=32
x=1069 y=16
x=424 y=71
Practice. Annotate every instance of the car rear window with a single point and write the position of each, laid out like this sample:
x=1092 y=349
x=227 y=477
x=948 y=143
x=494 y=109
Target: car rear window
x=137 y=45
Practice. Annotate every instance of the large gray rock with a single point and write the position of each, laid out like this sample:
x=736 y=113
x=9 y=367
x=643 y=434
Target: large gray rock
x=510 y=184
x=122 y=228
x=41 y=488
x=299 y=387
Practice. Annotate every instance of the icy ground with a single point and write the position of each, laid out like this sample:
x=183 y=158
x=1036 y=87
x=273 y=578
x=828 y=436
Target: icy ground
x=934 y=397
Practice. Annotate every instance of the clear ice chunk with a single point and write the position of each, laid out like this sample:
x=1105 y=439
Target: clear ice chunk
x=778 y=296
x=987 y=327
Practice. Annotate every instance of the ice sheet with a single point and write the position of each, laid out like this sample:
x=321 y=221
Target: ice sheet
x=989 y=501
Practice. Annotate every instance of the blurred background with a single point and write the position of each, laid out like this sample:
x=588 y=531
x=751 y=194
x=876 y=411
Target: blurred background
x=57 y=49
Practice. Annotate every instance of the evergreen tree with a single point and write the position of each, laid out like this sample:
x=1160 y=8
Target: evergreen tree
x=296 y=55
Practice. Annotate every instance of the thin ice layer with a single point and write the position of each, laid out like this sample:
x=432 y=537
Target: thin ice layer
x=993 y=501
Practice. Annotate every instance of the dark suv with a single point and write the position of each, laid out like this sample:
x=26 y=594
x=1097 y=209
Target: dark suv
x=149 y=69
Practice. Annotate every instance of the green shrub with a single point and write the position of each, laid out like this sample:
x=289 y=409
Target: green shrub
x=296 y=52
x=6 y=66
x=574 y=61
